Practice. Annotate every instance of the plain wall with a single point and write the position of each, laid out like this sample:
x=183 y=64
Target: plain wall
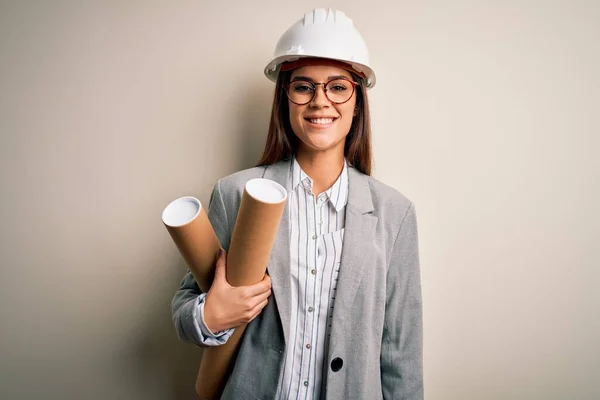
x=485 y=114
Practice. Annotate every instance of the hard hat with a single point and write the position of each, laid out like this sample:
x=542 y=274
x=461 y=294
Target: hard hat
x=323 y=33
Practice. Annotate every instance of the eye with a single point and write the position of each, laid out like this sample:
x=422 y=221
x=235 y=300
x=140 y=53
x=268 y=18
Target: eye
x=301 y=87
x=338 y=86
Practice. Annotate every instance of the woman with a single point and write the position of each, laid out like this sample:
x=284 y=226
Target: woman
x=344 y=319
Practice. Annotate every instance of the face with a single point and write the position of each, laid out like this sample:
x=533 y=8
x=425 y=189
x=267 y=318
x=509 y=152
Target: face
x=322 y=125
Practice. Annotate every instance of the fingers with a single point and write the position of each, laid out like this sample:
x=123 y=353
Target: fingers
x=261 y=297
x=260 y=287
x=258 y=302
x=257 y=309
x=267 y=278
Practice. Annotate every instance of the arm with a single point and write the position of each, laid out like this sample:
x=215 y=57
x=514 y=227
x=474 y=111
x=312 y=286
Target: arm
x=187 y=306
x=402 y=344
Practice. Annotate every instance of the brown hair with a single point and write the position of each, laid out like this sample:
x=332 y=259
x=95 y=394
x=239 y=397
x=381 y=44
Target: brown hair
x=281 y=141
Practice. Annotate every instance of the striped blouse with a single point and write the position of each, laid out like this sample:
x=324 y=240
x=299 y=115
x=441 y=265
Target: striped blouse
x=316 y=236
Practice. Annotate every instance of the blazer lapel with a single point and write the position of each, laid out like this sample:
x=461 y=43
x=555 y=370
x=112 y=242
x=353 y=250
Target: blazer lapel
x=279 y=263
x=360 y=228
x=357 y=248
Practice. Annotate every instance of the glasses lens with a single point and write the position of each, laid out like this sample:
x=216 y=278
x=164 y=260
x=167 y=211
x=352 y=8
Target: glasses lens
x=339 y=90
x=301 y=92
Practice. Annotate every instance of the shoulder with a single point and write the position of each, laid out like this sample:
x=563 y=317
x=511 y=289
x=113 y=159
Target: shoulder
x=386 y=197
x=395 y=212
x=392 y=207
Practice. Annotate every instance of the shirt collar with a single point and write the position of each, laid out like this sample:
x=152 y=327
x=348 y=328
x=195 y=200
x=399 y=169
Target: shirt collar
x=337 y=194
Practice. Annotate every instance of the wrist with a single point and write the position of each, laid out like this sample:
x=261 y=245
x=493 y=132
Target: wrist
x=209 y=321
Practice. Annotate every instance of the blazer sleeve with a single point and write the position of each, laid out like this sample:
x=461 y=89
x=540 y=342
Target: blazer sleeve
x=402 y=344
x=185 y=303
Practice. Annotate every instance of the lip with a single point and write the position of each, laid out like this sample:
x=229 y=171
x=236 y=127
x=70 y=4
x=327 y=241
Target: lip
x=320 y=126
x=320 y=116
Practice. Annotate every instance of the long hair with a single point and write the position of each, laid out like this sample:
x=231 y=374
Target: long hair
x=282 y=143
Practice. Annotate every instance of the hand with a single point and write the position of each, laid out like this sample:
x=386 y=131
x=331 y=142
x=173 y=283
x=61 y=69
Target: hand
x=227 y=306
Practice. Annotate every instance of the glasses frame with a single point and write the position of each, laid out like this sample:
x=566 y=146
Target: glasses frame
x=286 y=87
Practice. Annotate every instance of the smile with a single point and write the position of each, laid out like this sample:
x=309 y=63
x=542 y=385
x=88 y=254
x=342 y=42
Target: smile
x=320 y=121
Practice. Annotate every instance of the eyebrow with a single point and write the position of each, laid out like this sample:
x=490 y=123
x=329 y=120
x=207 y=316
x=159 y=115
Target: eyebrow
x=306 y=78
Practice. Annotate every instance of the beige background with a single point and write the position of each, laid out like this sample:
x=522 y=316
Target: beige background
x=485 y=115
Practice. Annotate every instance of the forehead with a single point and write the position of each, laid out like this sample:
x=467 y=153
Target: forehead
x=320 y=73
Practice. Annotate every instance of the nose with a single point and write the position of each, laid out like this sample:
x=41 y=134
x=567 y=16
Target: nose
x=320 y=99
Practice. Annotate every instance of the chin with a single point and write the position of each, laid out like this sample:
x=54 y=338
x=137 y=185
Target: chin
x=320 y=145
x=319 y=139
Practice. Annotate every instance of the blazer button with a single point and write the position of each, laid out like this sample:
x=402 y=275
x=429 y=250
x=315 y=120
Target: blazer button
x=336 y=364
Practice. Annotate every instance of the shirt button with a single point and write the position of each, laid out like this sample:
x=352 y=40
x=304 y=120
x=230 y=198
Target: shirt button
x=310 y=309
x=314 y=237
x=305 y=383
x=320 y=222
x=313 y=271
x=308 y=346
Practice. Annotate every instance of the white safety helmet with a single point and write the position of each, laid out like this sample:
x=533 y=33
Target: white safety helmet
x=323 y=33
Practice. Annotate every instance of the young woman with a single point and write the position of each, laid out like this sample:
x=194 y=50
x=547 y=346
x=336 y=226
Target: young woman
x=339 y=314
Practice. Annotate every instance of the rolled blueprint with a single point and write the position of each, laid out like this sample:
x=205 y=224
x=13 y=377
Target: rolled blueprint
x=190 y=229
x=261 y=209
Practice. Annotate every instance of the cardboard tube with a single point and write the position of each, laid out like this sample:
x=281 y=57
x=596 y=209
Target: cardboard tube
x=194 y=236
x=252 y=240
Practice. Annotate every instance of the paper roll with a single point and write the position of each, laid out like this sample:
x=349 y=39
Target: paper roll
x=194 y=236
x=261 y=209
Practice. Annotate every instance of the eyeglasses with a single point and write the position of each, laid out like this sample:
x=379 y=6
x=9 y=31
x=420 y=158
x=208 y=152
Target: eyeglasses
x=337 y=91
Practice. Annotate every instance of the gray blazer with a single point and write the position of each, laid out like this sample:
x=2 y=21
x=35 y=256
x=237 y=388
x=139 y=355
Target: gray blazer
x=376 y=330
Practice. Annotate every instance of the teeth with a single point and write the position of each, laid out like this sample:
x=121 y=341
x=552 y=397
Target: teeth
x=323 y=121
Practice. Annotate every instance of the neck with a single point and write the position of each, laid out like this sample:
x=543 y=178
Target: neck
x=324 y=168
